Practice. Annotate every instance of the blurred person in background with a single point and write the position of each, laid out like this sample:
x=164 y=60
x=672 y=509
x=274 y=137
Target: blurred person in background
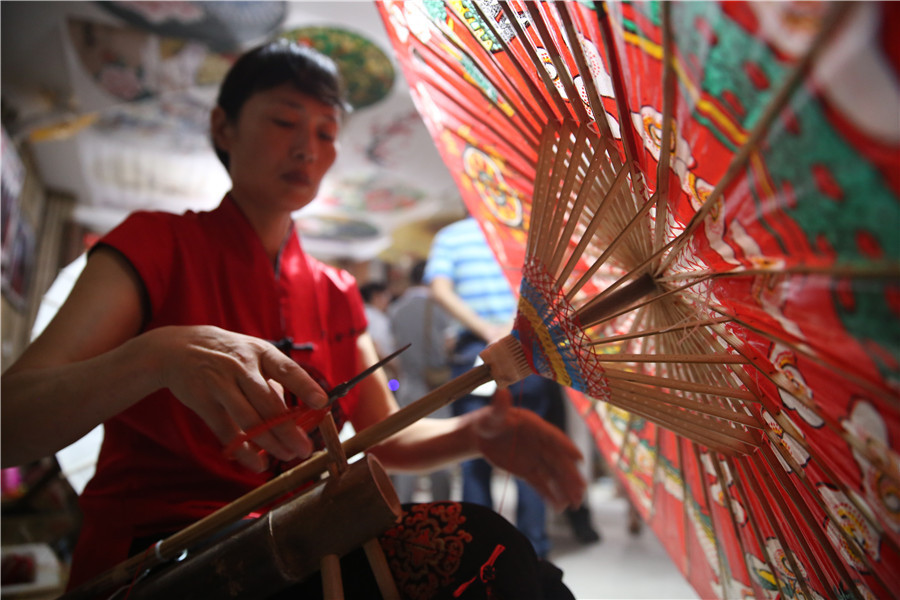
x=417 y=319
x=376 y=299
x=467 y=281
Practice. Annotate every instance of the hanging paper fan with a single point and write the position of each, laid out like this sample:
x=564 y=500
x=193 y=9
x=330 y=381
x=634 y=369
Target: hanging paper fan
x=367 y=72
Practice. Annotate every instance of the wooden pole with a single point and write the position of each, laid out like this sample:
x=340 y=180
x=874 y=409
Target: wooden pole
x=332 y=585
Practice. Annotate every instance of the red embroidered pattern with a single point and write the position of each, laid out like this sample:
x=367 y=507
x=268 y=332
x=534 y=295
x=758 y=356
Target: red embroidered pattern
x=425 y=549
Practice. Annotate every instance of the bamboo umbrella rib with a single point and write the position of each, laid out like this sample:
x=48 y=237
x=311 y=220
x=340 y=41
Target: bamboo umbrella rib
x=760 y=541
x=724 y=574
x=728 y=503
x=881 y=393
x=508 y=164
x=449 y=74
x=686 y=386
x=620 y=96
x=883 y=270
x=687 y=403
x=864 y=509
x=713 y=374
x=628 y=429
x=622 y=229
x=712 y=417
x=562 y=69
x=682 y=237
x=812 y=524
x=460 y=79
x=779 y=534
x=864 y=448
x=685 y=493
x=687 y=428
x=546 y=112
x=668 y=85
x=534 y=95
x=773 y=108
x=595 y=222
x=596 y=165
x=605 y=178
x=559 y=182
x=701 y=372
x=634 y=272
x=859 y=552
x=482 y=119
x=708 y=340
x=587 y=77
x=562 y=204
x=612 y=246
x=710 y=359
x=655 y=471
x=655 y=410
x=668 y=329
x=700 y=388
x=549 y=151
x=536 y=62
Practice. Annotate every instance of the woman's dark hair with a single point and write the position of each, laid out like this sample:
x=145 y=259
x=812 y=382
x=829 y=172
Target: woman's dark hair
x=273 y=64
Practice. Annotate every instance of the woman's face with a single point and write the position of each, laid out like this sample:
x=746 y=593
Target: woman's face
x=280 y=147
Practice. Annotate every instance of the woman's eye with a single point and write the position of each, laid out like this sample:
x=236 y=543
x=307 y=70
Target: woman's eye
x=283 y=123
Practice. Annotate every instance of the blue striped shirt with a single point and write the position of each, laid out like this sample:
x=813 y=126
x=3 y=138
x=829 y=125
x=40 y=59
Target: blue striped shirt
x=461 y=253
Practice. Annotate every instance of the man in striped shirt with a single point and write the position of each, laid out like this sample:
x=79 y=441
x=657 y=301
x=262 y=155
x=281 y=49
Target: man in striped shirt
x=467 y=281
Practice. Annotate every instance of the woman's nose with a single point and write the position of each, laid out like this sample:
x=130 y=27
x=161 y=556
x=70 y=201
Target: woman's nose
x=304 y=146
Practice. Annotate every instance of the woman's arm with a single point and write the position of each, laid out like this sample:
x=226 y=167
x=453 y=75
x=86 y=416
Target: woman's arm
x=513 y=439
x=91 y=362
x=79 y=371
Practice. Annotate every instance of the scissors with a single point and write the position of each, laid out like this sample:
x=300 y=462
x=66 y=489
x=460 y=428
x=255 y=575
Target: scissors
x=303 y=415
x=342 y=389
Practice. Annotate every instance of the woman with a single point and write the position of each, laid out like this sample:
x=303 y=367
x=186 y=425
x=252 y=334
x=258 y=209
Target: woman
x=169 y=338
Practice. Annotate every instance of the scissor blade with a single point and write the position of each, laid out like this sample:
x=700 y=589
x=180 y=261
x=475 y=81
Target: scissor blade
x=341 y=390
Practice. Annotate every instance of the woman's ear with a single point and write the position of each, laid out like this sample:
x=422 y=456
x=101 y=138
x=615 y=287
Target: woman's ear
x=220 y=129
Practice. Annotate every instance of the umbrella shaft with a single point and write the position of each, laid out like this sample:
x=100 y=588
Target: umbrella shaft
x=628 y=294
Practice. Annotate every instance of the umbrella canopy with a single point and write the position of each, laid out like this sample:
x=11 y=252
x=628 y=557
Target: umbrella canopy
x=725 y=311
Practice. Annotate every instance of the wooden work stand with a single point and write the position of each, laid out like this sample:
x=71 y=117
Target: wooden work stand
x=332 y=583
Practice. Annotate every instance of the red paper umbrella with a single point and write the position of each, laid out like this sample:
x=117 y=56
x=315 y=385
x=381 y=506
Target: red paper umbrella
x=699 y=205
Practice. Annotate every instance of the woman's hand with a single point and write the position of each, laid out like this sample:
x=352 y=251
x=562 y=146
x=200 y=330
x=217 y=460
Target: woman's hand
x=234 y=382
x=521 y=442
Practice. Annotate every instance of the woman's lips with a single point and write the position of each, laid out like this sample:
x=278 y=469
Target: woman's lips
x=296 y=177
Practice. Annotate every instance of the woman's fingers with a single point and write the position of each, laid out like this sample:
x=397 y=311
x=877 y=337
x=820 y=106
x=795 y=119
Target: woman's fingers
x=234 y=383
x=223 y=427
x=285 y=441
x=275 y=365
x=523 y=443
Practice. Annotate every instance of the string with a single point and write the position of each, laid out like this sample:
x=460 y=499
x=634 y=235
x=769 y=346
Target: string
x=512 y=450
x=138 y=573
x=486 y=573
